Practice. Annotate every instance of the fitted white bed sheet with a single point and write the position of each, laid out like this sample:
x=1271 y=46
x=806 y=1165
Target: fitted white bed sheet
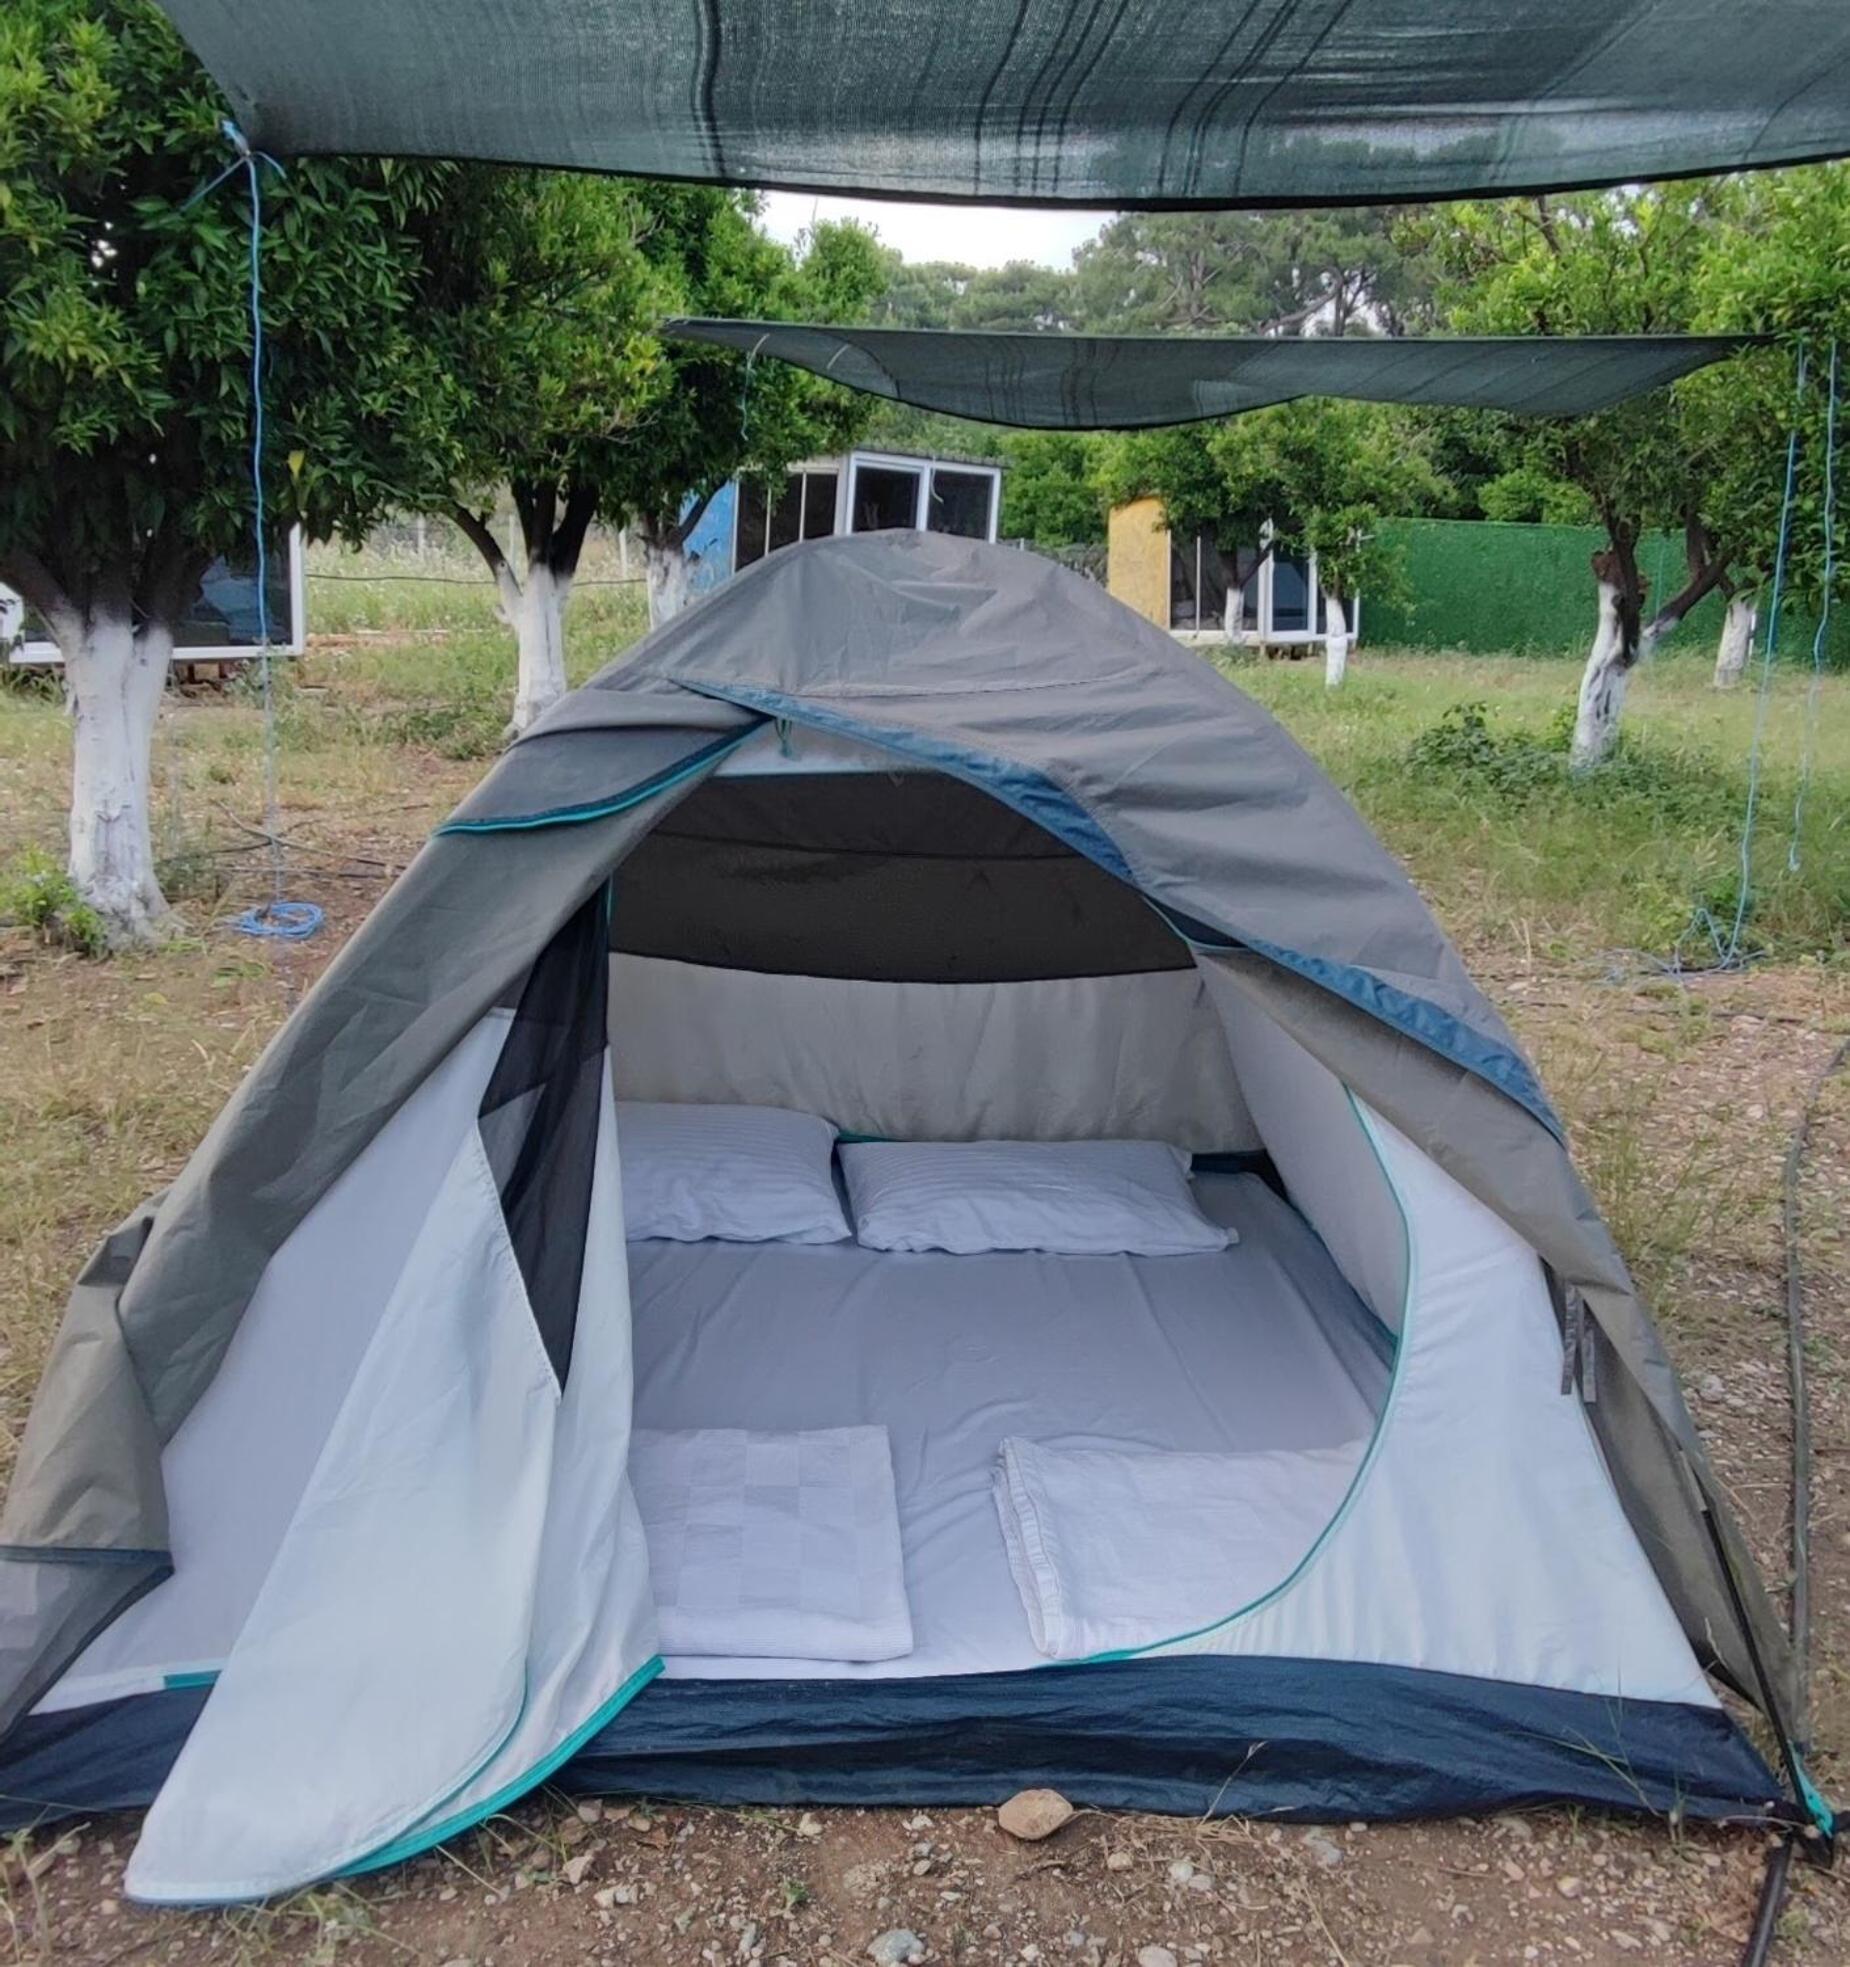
x=1263 y=1345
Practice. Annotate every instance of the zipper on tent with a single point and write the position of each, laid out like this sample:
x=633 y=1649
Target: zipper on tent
x=663 y=781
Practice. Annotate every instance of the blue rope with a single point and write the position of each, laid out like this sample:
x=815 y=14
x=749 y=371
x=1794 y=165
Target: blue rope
x=277 y=918
x=1728 y=954
x=283 y=921
x=1821 y=635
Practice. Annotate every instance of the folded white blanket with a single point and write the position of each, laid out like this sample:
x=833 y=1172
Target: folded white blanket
x=773 y=1546
x=1116 y=1548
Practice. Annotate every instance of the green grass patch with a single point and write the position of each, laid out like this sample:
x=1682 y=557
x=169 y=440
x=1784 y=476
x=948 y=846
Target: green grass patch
x=1460 y=763
x=36 y=895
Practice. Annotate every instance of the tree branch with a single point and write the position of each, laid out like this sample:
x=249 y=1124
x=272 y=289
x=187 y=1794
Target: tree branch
x=1702 y=583
x=568 y=542
x=480 y=535
x=522 y=496
x=171 y=571
x=41 y=590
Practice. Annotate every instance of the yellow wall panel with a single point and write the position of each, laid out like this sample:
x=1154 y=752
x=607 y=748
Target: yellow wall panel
x=1137 y=558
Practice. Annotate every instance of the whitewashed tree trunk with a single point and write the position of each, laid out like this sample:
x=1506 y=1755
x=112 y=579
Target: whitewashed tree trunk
x=536 y=609
x=1737 y=639
x=1602 y=685
x=665 y=572
x=1336 y=640
x=115 y=673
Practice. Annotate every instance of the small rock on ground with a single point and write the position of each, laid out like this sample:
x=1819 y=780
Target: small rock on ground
x=1032 y=1814
x=1155 y=1957
x=897 y=1948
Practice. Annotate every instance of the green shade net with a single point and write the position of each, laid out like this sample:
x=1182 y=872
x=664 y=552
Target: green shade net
x=1121 y=382
x=1100 y=102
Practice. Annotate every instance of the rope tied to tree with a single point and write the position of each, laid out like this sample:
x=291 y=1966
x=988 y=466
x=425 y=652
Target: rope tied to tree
x=277 y=918
x=1729 y=953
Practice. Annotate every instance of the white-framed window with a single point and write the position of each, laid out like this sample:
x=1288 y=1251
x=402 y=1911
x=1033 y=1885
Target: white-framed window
x=221 y=622
x=1281 y=597
x=935 y=496
x=808 y=508
x=865 y=492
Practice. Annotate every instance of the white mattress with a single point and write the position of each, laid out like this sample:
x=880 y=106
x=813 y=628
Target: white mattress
x=1259 y=1346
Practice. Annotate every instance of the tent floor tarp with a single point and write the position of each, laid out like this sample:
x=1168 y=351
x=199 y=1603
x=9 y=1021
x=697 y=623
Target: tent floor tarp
x=1313 y=1740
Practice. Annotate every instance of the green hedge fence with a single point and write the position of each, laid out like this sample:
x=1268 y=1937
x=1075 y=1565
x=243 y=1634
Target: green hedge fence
x=1489 y=588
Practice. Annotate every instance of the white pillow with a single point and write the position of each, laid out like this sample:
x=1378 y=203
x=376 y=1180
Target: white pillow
x=744 y=1174
x=1081 y=1198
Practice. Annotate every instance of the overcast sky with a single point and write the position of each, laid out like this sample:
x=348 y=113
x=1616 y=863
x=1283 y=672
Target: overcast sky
x=978 y=235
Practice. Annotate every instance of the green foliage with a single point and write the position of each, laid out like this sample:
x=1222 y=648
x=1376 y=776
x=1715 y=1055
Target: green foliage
x=1177 y=467
x=1049 y=493
x=37 y=895
x=1503 y=772
x=1764 y=253
x=1526 y=493
x=718 y=415
x=1326 y=473
x=125 y=411
x=1610 y=262
x=1507 y=765
x=541 y=302
x=1780 y=271
x=1246 y=273
x=1321 y=473
x=546 y=294
x=1020 y=298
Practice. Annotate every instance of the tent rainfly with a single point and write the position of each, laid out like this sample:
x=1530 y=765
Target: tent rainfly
x=1123 y=382
x=395 y=1459
x=1146 y=103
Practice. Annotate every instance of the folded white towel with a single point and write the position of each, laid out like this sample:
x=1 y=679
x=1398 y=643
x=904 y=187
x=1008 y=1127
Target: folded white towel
x=1114 y=1548
x=773 y=1546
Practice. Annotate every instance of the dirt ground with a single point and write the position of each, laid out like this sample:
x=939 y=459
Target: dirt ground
x=1681 y=1100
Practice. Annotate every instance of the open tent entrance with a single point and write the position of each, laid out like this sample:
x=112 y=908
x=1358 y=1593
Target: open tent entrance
x=901 y=952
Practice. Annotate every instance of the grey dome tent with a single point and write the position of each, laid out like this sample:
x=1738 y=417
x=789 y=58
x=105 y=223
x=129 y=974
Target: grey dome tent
x=323 y=1537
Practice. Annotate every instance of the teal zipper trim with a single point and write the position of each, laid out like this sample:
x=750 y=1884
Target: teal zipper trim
x=203 y=1677
x=415 y=1843
x=1813 y=1798
x=664 y=781
x=1369 y=1457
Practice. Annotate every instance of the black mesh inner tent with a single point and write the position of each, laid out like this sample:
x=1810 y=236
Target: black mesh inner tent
x=1144 y=102
x=882 y=877
x=539 y=1120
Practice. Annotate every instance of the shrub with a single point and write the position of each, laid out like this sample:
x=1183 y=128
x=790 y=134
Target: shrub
x=36 y=894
